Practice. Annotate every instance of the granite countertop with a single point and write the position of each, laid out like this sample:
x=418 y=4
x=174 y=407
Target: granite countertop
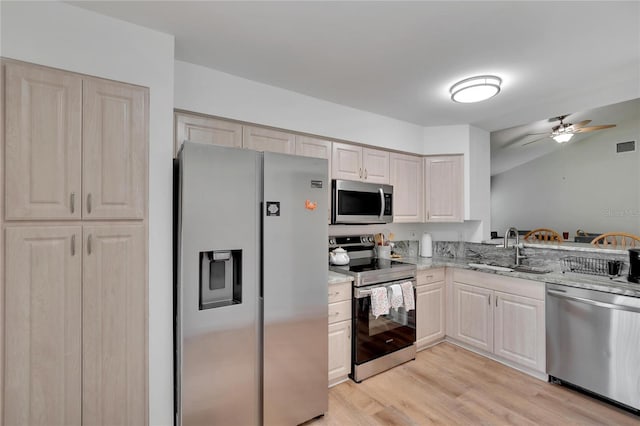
x=336 y=278
x=620 y=285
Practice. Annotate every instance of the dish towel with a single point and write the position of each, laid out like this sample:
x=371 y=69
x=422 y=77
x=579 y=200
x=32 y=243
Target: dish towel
x=379 y=301
x=395 y=296
x=407 y=294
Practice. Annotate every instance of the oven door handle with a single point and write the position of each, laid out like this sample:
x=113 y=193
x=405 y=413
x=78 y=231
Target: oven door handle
x=359 y=293
x=381 y=202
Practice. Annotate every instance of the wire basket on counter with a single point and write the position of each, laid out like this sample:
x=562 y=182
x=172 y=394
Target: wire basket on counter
x=592 y=266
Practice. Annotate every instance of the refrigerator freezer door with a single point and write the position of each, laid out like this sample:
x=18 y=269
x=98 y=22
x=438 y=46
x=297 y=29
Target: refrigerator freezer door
x=217 y=329
x=295 y=289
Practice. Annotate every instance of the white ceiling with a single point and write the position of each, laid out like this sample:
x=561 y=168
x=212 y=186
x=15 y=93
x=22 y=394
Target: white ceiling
x=399 y=59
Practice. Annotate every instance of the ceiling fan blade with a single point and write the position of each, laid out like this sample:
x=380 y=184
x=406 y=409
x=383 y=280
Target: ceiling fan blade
x=534 y=141
x=581 y=124
x=593 y=128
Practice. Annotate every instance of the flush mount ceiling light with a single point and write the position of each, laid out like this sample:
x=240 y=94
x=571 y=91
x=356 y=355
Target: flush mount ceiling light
x=475 y=89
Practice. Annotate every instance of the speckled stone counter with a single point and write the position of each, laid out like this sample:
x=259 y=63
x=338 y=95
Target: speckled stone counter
x=336 y=278
x=619 y=285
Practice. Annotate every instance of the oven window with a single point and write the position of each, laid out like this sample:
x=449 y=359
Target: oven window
x=358 y=203
x=375 y=337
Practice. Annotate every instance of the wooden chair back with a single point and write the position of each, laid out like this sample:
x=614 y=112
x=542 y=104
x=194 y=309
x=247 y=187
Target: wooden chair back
x=544 y=235
x=616 y=240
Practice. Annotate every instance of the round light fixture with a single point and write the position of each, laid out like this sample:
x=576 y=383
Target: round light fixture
x=475 y=89
x=562 y=137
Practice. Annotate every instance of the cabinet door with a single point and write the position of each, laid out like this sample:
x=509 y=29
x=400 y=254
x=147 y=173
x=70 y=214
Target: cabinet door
x=519 y=330
x=430 y=314
x=317 y=148
x=376 y=165
x=406 y=178
x=207 y=130
x=43 y=131
x=339 y=351
x=346 y=162
x=43 y=328
x=472 y=316
x=260 y=139
x=114 y=156
x=114 y=345
x=444 y=188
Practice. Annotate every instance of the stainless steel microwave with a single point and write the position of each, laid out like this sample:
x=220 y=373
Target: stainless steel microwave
x=360 y=202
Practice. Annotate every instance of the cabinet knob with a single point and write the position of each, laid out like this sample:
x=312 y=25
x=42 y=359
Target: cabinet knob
x=89 y=203
x=89 y=244
x=360 y=172
x=73 y=243
x=72 y=202
x=365 y=173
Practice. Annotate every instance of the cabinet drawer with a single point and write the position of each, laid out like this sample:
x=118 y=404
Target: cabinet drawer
x=339 y=292
x=339 y=311
x=430 y=276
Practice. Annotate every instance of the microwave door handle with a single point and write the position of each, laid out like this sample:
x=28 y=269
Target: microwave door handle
x=381 y=202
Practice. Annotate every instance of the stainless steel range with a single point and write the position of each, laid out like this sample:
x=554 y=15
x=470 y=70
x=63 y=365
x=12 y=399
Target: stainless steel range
x=388 y=340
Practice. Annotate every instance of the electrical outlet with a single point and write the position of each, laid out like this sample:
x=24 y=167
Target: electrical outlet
x=412 y=233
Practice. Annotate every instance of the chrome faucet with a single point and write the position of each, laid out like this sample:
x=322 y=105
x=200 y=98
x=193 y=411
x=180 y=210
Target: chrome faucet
x=510 y=231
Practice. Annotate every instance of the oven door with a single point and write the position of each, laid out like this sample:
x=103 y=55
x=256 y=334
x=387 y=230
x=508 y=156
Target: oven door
x=361 y=202
x=376 y=337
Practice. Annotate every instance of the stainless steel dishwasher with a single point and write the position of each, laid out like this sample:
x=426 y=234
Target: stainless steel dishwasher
x=593 y=342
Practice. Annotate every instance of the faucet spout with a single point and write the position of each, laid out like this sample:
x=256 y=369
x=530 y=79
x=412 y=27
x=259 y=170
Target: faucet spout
x=514 y=231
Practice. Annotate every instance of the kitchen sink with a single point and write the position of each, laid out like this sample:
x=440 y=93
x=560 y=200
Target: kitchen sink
x=510 y=268
x=529 y=269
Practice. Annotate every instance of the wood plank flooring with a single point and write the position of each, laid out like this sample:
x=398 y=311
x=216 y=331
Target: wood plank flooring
x=449 y=385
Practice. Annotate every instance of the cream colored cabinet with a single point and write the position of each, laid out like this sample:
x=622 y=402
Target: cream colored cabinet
x=209 y=130
x=430 y=308
x=500 y=315
x=76 y=146
x=75 y=322
x=520 y=330
x=43 y=328
x=353 y=162
x=406 y=177
x=261 y=139
x=114 y=150
x=444 y=188
x=43 y=138
x=114 y=322
x=472 y=316
x=339 y=332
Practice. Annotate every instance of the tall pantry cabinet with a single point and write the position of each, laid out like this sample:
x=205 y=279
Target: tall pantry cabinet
x=74 y=251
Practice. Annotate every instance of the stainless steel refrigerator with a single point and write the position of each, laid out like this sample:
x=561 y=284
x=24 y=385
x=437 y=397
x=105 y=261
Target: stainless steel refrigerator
x=251 y=287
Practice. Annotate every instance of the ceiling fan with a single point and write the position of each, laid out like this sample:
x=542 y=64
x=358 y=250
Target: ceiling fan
x=563 y=132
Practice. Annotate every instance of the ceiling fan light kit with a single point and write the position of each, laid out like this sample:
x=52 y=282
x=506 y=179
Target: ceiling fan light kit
x=475 y=89
x=563 y=137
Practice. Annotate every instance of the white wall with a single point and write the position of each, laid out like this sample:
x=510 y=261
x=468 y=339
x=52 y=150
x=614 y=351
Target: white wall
x=585 y=185
x=66 y=37
x=480 y=182
x=213 y=92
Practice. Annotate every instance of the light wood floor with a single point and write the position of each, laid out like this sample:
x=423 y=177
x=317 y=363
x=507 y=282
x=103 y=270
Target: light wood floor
x=452 y=386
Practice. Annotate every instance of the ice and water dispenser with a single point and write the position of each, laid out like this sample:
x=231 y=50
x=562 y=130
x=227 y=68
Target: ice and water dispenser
x=220 y=278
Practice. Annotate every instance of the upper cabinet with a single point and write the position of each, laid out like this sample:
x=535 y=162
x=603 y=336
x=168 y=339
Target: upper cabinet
x=195 y=128
x=444 y=188
x=406 y=178
x=43 y=137
x=114 y=159
x=260 y=139
x=353 y=162
x=76 y=146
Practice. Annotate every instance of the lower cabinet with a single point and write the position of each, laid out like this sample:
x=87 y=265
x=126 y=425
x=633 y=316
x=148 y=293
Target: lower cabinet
x=339 y=332
x=75 y=325
x=500 y=315
x=430 y=307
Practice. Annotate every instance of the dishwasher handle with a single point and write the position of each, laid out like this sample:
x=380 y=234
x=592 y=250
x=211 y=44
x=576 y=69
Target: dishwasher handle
x=563 y=295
